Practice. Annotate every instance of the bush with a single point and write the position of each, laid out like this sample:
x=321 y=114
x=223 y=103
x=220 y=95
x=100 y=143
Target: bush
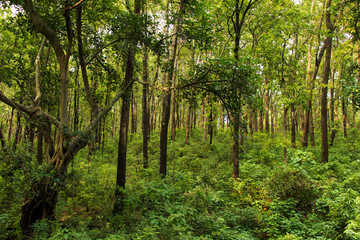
x=287 y=183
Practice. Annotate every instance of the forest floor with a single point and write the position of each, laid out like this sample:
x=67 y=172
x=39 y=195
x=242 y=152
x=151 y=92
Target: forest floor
x=198 y=199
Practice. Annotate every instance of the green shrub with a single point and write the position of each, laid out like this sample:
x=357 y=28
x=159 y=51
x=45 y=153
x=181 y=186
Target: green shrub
x=288 y=183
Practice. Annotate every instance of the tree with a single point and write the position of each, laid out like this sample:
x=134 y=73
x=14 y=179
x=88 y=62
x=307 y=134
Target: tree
x=62 y=145
x=124 y=123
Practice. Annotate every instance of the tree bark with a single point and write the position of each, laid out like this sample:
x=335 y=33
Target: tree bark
x=324 y=89
x=210 y=122
x=311 y=81
x=188 y=124
x=145 y=108
x=173 y=97
x=133 y=114
x=312 y=131
x=204 y=118
x=333 y=98
x=167 y=96
x=18 y=130
x=344 y=113
x=284 y=134
x=293 y=126
x=261 y=120
x=236 y=124
x=40 y=147
x=119 y=204
x=2 y=139
x=267 y=104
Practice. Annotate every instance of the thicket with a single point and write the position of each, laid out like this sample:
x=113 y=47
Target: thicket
x=198 y=199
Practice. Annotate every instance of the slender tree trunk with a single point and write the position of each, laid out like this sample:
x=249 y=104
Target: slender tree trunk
x=236 y=124
x=76 y=104
x=312 y=131
x=324 y=90
x=332 y=107
x=145 y=108
x=267 y=104
x=255 y=118
x=119 y=204
x=188 y=124
x=311 y=81
x=164 y=133
x=2 y=139
x=167 y=97
x=204 y=118
x=343 y=107
x=17 y=131
x=40 y=148
x=261 y=120
x=272 y=117
x=10 y=123
x=284 y=134
x=173 y=103
x=210 y=123
x=123 y=135
x=133 y=114
x=293 y=127
x=292 y=108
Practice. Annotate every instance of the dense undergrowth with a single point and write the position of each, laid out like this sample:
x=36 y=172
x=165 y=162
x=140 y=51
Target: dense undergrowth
x=198 y=199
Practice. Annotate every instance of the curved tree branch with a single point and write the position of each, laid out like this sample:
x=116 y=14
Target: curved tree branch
x=43 y=28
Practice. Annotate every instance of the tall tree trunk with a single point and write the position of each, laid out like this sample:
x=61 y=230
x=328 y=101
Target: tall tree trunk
x=210 y=122
x=123 y=134
x=324 y=89
x=312 y=131
x=10 y=123
x=236 y=124
x=267 y=104
x=173 y=103
x=188 y=124
x=204 y=118
x=343 y=107
x=40 y=148
x=164 y=133
x=167 y=96
x=293 y=126
x=119 y=204
x=76 y=104
x=332 y=107
x=272 y=123
x=261 y=120
x=17 y=131
x=2 y=139
x=292 y=108
x=284 y=134
x=255 y=121
x=133 y=114
x=145 y=108
x=311 y=81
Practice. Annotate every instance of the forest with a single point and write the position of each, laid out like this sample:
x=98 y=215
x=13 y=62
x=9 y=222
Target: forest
x=180 y=119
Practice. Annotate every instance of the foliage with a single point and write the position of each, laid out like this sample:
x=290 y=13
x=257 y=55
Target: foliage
x=199 y=199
